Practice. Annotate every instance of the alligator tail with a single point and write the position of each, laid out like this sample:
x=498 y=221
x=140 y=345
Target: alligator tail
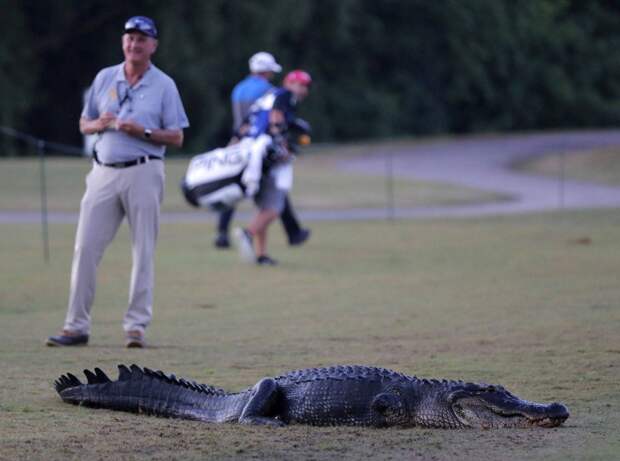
x=140 y=390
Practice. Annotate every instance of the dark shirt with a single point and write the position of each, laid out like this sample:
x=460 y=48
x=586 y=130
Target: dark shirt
x=278 y=98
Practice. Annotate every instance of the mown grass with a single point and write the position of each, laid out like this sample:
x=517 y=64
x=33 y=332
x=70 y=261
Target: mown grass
x=530 y=302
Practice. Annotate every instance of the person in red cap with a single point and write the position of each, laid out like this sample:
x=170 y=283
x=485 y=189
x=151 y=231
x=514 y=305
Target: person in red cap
x=273 y=114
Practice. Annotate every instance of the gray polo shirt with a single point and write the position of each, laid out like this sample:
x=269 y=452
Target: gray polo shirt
x=153 y=102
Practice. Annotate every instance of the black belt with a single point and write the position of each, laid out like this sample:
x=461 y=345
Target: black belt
x=129 y=163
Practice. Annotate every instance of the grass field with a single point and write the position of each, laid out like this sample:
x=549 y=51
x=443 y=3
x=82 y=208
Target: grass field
x=599 y=165
x=530 y=302
x=316 y=177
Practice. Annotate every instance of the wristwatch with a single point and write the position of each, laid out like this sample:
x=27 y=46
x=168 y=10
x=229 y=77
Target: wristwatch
x=147 y=133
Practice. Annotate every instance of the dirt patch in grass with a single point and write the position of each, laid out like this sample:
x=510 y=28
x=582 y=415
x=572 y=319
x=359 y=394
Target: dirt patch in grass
x=600 y=165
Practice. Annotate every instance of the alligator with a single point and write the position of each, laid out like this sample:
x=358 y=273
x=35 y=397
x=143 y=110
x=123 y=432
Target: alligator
x=352 y=395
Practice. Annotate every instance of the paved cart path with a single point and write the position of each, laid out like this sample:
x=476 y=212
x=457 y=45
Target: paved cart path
x=483 y=163
x=486 y=164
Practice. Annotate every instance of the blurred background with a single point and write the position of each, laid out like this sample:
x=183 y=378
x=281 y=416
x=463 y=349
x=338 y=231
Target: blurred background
x=381 y=68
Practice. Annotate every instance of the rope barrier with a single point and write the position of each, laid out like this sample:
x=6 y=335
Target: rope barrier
x=38 y=142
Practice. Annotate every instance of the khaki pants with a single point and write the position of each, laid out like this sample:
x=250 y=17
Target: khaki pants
x=111 y=194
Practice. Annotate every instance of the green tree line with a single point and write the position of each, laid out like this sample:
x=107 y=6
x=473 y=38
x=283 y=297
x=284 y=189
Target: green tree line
x=381 y=68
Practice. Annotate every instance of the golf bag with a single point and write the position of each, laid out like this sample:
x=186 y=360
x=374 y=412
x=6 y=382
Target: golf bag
x=220 y=178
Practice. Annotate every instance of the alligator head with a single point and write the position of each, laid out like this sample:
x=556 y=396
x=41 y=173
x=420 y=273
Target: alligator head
x=491 y=406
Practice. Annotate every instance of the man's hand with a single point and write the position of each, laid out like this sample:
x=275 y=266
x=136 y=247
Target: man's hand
x=105 y=121
x=280 y=149
x=251 y=188
x=130 y=127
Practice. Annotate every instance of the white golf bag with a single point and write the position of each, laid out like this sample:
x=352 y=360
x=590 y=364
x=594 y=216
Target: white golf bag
x=220 y=178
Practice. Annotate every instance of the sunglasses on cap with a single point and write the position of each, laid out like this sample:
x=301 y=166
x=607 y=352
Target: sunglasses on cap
x=141 y=24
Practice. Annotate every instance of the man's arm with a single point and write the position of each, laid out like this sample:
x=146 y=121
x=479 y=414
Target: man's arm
x=158 y=136
x=97 y=125
x=109 y=121
x=283 y=109
x=167 y=137
x=277 y=122
x=277 y=130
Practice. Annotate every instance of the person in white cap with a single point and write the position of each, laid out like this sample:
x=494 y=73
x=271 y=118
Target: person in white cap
x=263 y=67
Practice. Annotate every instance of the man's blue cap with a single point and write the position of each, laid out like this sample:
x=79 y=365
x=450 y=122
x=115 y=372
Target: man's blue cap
x=141 y=24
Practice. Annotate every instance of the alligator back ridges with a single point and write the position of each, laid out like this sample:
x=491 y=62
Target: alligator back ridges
x=369 y=374
x=140 y=390
x=342 y=373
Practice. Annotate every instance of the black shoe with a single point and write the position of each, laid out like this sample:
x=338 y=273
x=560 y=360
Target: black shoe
x=300 y=237
x=221 y=241
x=66 y=340
x=265 y=260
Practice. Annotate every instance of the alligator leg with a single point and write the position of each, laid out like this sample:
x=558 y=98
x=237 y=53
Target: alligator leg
x=390 y=408
x=264 y=396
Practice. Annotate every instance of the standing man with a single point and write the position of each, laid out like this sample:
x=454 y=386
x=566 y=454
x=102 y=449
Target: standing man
x=272 y=114
x=263 y=66
x=136 y=110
